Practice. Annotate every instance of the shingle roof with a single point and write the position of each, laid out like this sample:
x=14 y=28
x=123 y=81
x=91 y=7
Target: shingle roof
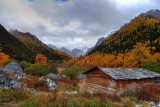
x=128 y=73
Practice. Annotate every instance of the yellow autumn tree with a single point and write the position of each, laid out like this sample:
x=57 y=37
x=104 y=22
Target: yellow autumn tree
x=138 y=56
x=157 y=57
x=40 y=59
x=119 y=61
x=3 y=58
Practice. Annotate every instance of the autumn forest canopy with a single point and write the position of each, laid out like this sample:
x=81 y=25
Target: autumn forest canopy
x=131 y=46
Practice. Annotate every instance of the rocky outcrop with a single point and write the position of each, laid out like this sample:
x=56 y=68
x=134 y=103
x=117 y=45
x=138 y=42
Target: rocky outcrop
x=7 y=82
x=54 y=76
x=10 y=76
x=12 y=67
x=50 y=83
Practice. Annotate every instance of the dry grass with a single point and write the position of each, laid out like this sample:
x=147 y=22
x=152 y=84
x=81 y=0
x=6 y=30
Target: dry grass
x=34 y=82
x=67 y=85
x=148 y=93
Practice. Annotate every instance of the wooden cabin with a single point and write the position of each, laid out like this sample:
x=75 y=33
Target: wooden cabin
x=117 y=81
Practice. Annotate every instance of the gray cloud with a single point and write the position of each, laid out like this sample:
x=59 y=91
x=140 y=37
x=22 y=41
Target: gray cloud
x=74 y=23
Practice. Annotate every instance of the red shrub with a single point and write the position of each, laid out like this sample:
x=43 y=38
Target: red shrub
x=34 y=82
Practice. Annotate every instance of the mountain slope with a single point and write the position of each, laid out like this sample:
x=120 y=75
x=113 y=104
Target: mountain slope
x=13 y=47
x=26 y=35
x=100 y=40
x=151 y=14
x=21 y=47
x=138 y=30
x=38 y=47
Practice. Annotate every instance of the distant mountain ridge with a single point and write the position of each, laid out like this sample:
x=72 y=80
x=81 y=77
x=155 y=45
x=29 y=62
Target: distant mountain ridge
x=151 y=14
x=143 y=28
x=76 y=52
x=100 y=40
x=26 y=35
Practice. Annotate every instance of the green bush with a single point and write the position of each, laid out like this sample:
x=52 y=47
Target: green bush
x=71 y=72
x=7 y=62
x=152 y=66
x=24 y=64
x=36 y=70
x=52 y=68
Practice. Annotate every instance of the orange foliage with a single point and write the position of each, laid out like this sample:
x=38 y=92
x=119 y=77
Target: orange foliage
x=136 y=57
x=157 y=57
x=3 y=58
x=40 y=59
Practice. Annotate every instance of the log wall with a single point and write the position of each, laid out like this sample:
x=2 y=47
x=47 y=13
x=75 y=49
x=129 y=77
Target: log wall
x=98 y=81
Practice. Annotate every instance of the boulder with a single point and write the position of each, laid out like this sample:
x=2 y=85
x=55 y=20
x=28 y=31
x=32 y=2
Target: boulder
x=50 y=83
x=16 y=85
x=32 y=90
x=6 y=82
x=81 y=76
x=158 y=105
x=65 y=77
x=2 y=79
x=12 y=67
x=52 y=86
x=54 y=76
x=71 y=92
x=42 y=79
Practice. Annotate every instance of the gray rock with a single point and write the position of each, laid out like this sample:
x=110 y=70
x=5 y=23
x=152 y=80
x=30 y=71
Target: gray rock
x=81 y=76
x=16 y=85
x=90 y=91
x=41 y=79
x=12 y=82
x=158 y=105
x=6 y=82
x=18 y=76
x=50 y=83
x=71 y=92
x=1 y=70
x=2 y=79
x=32 y=90
x=138 y=105
x=52 y=86
x=65 y=77
x=53 y=76
x=12 y=67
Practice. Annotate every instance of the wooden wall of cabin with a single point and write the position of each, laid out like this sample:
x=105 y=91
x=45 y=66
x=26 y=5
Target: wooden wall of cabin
x=133 y=85
x=100 y=82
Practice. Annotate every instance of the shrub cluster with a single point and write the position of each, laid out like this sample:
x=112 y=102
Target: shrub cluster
x=153 y=66
x=36 y=70
x=71 y=72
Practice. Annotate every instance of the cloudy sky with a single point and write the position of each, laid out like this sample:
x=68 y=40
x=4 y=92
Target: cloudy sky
x=71 y=23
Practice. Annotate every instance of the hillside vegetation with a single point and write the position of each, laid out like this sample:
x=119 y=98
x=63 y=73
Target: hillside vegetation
x=139 y=30
x=131 y=46
x=22 y=48
x=13 y=47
